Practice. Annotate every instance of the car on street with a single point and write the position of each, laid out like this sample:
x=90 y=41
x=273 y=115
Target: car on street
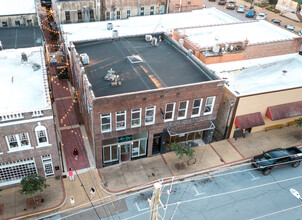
x=250 y=14
x=289 y=27
x=300 y=32
x=221 y=2
x=276 y=157
x=276 y=21
x=230 y=5
x=241 y=9
x=261 y=16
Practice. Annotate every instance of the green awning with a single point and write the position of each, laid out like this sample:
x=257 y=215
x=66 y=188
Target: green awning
x=299 y=1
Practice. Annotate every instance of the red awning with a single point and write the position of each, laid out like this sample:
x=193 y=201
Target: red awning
x=249 y=120
x=287 y=110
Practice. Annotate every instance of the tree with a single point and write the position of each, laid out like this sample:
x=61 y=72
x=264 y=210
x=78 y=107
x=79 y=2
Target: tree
x=32 y=183
x=180 y=151
x=299 y=122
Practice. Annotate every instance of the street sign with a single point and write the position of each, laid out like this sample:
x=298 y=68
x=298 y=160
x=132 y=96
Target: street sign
x=295 y=193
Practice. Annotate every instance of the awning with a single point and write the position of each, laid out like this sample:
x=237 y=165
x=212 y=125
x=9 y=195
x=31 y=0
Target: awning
x=191 y=127
x=287 y=110
x=249 y=120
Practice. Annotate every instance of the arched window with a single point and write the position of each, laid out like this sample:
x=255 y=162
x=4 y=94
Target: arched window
x=41 y=134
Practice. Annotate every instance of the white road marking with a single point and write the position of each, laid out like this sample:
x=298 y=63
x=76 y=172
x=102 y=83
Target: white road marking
x=139 y=209
x=197 y=193
x=254 y=178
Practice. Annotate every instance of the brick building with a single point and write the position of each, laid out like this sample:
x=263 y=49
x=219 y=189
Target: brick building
x=176 y=6
x=70 y=11
x=15 y=13
x=137 y=98
x=260 y=94
x=28 y=142
x=238 y=41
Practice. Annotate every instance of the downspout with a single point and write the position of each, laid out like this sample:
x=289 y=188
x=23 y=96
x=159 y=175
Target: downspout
x=93 y=142
x=138 y=7
x=179 y=5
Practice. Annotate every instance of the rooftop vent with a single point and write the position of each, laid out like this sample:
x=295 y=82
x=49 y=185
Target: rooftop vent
x=114 y=33
x=109 y=26
x=36 y=66
x=135 y=59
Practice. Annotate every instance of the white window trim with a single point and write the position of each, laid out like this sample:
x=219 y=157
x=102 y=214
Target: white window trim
x=120 y=15
x=44 y=158
x=117 y=153
x=106 y=124
x=199 y=108
x=139 y=153
x=109 y=16
x=127 y=13
x=186 y=110
x=172 y=118
x=212 y=106
x=125 y=120
x=154 y=111
x=153 y=9
x=140 y=117
x=140 y=12
x=40 y=128
x=19 y=148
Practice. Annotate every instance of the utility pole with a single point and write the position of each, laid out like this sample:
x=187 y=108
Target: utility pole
x=155 y=200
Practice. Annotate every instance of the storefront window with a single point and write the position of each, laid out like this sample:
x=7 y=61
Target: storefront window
x=142 y=149
x=135 y=149
x=139 y=148
x=110 y=153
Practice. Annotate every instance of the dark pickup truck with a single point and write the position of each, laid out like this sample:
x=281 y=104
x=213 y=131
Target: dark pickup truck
x=266 y=161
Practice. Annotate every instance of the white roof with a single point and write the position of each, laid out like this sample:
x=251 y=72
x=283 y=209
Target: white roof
x=17 y=7
x=255 y=32
x=146 y=24
x=262 y=74
x=21 y=88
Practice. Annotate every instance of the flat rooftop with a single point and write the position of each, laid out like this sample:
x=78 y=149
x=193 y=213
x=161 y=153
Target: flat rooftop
x=146 y=24
x=23 y=89
x=161 y=66
x=262 y=74
x=20 y=37
x=17 y=7
x=255 y=32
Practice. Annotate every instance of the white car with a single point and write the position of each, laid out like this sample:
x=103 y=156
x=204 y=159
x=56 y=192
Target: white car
x=241 y=9
x=261 y=16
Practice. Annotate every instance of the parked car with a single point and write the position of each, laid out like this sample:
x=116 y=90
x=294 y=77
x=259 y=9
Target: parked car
x=250 y=14
x=266 y=161
x=231 y=5
x=276 y=21
x=241 y=9
x=300 y=32
x=289 y=27
x=221 y=2
x=261 y=16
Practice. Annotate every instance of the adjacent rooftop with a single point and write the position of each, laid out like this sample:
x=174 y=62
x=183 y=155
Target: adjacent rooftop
x=255 y=32
x=17 y=7
x=146 y=24
x=23 y=80
x=140 y=65
x=261 y=75
x=20 y=37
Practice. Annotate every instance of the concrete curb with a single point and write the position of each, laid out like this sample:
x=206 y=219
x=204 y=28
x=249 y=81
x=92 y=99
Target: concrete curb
x=43 y=211
x=179 y=178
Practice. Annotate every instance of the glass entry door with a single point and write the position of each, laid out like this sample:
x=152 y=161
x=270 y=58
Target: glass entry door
x=125 y=150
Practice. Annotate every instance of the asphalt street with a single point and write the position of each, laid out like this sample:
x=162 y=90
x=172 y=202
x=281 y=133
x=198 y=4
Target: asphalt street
x=241 y=193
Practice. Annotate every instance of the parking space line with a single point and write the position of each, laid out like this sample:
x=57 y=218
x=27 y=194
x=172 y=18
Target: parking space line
x=254 y=178
x=139 y=209
x=197 y=193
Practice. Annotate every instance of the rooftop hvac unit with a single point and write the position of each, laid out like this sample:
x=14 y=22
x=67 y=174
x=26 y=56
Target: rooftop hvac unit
x=84 y=58
x=148 y=37
x=231 y=48
x=1 y=46
x=181 y=42
x=24 y=58
x=109 y=26
x=226 y=47
x=190 y=52
x=154 y=41
x=216 y=49
x=114 y=33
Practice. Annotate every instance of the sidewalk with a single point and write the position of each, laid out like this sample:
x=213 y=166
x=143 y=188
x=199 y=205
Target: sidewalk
x=216 y=156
